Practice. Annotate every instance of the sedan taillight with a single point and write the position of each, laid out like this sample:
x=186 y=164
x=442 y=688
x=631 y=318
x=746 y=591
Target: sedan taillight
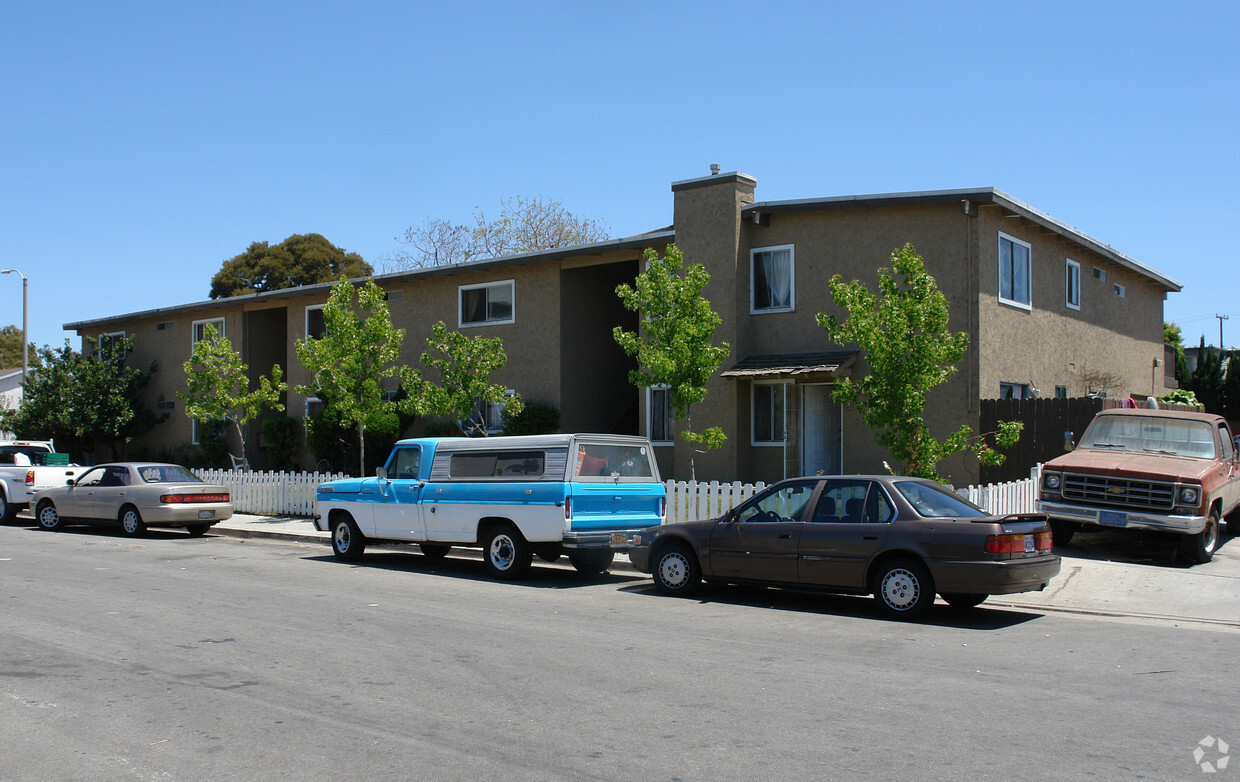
x=1019 y=544
x=170 y=499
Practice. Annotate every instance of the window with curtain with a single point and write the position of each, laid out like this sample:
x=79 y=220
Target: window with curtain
x=771 y=279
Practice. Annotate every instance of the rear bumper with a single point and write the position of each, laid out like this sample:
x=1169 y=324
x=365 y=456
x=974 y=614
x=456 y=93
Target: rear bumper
x=1003 y=577
x=615 y=539
x=1163 y=522
x=181 y=515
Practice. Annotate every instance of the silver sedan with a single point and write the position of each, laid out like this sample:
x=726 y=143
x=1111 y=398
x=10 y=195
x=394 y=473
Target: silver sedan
x=134 y=496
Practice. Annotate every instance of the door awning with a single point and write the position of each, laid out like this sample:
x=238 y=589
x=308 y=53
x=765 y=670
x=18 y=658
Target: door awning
x=793 y=364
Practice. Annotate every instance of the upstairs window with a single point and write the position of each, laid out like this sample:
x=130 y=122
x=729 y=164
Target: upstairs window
x=1121 y=291
x=487 y=304
x=316 y=327
x=1014 y=272
x=1072 y=285
x=771 y=279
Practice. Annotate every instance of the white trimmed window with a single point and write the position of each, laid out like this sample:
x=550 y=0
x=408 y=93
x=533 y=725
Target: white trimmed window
x=1121 y=291
x=659 y=415
x=1014 y=272
x=767 y=422
x=1072 y=285
x=487 y=304
x=315 y=325
x=772 y=279
x=199 y=330
x=488 y=415
x=1014 y=391
x=106 y=341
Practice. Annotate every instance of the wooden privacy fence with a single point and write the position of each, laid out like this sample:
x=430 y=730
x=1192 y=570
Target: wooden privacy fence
x=292 y=494
x=270 y=493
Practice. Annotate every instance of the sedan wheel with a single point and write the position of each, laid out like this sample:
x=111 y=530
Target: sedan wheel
x=903 y=588
x=49 y=518
x=131 y=522
x=676 y=570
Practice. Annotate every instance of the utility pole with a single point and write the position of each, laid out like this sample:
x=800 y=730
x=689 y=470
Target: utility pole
x=1221 y=318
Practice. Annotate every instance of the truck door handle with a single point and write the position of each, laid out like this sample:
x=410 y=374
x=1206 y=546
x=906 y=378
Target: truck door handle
x=869 y=537
x=786 y=536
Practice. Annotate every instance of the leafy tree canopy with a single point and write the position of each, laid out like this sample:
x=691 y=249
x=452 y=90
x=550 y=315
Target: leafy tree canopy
x=357 y=351
x=674 y=347
x=85 y=397
x=11 y=349
x=523 y=225
x=464 y=365
x=301 y=259
x=903 y=330
x=218 y=384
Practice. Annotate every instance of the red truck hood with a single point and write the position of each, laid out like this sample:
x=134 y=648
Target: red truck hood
x=1146 y=466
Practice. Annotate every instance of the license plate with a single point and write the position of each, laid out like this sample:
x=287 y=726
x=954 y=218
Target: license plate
x=618 y=539
x=1031 y=546
x=206 y=514
x=1111 y=518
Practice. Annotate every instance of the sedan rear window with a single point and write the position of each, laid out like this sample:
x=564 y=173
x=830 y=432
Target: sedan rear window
x=936 y=502
x=166 y=473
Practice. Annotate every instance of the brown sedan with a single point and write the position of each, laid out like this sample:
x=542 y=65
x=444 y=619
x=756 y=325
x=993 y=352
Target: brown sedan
x=900 y=539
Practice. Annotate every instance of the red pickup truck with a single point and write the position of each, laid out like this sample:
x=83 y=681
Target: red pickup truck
x=1164 y=470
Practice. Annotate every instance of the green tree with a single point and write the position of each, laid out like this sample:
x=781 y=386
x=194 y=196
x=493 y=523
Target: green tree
x=218 y=384
x=357 y=351
x=673 y=346
x=903 y=330
x=1206 y=380
x=11 y=349
x=1231 y=389
x=301 y=259
x=464 y=366
x=92 y=396
x=523 y=225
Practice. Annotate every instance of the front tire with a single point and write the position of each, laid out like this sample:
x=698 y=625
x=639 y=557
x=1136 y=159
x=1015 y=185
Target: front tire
x=131 y=522
x=903 y=588
x=347 y=542
x=964 y=600
x=505 y=553
x=676 y=570
x=49 y=518
x=592 y=563
x=1199 y=548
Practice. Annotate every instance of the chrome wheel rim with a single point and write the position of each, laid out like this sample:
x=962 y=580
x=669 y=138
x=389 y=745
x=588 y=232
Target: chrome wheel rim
x=130 y=521
x=900 y=589
x=674 y=570
x=48 y=517
x=343 y=537
x=502 y=552
x=1211 y=535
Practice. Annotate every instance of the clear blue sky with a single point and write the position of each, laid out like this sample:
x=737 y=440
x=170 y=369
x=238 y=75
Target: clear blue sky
x=146 y=143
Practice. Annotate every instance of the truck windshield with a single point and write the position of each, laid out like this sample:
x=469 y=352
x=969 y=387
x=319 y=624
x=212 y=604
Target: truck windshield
x=620 y=461
x=1151 y=434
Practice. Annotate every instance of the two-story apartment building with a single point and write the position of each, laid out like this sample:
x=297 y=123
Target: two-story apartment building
x=1048 y=311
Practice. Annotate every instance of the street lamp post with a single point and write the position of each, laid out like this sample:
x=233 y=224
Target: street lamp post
x=25 y=337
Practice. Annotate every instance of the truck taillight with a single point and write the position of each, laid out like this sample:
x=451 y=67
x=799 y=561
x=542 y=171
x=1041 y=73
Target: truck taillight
x=30 y=477
x=662 y=509
x=568 y=508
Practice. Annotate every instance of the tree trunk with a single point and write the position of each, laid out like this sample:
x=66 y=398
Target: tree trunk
x=361 y=447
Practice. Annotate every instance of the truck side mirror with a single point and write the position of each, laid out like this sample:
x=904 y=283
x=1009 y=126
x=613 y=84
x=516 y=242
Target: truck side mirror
x=1068 y=444
x=381 y=473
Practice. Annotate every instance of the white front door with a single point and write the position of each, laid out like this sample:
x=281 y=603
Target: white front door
x=820 y=431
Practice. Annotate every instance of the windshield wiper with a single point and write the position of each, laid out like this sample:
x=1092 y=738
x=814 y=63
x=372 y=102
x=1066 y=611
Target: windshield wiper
x=1160 y=450
x=1105 y=445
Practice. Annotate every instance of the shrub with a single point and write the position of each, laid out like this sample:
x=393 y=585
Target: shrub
x=534 y=418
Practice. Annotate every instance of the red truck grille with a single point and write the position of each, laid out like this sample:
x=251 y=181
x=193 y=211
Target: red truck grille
x=1114 y=492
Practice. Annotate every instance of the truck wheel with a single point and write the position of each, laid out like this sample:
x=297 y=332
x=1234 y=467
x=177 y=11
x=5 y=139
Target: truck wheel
x=903 y=588
x=434 y=550
x=8 y=510
x=675 y=569
x=592 y=563
x=1062 y=531
x=347 y=542
x=49 y=518
x=505 y=553
x=131 y=522
x=1199 y=548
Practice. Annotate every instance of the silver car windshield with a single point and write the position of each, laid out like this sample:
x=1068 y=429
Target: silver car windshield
x=166 y=473
x=1148 y=434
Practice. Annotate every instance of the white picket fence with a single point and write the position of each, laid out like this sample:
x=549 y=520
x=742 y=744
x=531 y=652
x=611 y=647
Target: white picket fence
x=270 y=493
x=292 y=494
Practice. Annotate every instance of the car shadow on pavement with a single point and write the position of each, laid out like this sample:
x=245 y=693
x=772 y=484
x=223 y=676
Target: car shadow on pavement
x=113 y=533
x=542 y=575
x=1132 y=547
x=854 y=606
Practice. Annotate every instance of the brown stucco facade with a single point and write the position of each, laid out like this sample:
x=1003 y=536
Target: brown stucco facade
x=770 y=264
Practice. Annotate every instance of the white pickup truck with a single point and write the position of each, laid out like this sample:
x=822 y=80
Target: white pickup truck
x=27 y=466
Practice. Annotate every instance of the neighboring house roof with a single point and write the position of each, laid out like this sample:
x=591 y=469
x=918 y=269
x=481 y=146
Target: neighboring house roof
x=981 y=195
x=791 y=364
x=636 y=242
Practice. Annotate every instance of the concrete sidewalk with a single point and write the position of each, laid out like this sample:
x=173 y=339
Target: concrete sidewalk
x=1106 y=574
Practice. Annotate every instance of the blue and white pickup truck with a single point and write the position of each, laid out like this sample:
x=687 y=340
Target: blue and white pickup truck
x=583 y=495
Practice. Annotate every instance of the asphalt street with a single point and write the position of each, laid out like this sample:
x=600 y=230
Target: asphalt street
x=172 y=657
